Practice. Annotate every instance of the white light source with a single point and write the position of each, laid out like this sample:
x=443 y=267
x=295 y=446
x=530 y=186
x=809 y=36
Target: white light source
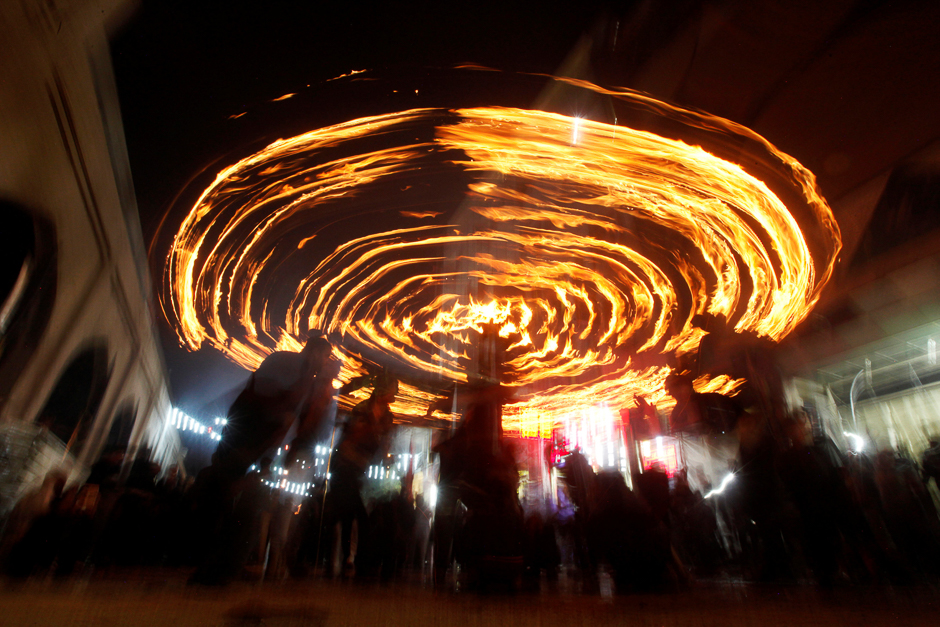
x=858 y=442
x=724 y=484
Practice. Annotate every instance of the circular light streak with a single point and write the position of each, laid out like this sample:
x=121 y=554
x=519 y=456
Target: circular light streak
x=590 y=246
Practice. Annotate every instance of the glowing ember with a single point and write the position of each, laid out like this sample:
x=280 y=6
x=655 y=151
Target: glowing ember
x=586 y=244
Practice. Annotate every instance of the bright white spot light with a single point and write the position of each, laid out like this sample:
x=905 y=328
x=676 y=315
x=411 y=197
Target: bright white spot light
x=724 y=484
x=858 y=443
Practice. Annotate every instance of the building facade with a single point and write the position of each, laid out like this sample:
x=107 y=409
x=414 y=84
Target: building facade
x=80 y=363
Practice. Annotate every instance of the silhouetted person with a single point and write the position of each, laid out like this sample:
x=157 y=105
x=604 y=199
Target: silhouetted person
x=623 y=531
x=287 y=388
x=487 y=481
x=18 y=547
x=814 y=485
x=445 y=508
x=259 y=497
x=930 y=463
x=365 y=438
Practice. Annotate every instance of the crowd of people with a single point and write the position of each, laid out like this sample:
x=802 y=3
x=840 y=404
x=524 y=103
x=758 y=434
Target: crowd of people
x=790 y=505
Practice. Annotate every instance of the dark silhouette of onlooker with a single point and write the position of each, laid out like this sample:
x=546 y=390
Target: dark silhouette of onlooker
x=814 y=485
x=365 y=438
x=25 y=540
x=286 y=389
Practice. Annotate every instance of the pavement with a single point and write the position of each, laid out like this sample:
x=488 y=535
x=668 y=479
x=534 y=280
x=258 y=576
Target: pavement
x=143 y=599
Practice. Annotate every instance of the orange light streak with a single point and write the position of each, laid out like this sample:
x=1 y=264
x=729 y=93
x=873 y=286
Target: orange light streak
x=585 y=244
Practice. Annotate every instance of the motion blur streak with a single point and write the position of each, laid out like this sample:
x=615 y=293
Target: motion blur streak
x=589 y=247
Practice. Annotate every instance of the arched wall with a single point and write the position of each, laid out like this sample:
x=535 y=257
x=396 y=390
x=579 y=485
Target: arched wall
x=64 y=159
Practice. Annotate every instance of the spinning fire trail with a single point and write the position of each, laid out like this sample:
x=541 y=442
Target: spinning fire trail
x=590 y=246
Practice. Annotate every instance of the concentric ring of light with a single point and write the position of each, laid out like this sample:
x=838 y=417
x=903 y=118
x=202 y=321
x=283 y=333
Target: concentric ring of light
x=586 y=242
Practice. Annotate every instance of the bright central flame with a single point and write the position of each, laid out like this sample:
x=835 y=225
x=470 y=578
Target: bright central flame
x=400 y=236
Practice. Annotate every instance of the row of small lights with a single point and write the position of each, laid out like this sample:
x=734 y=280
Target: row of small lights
x=382 y=472
x=184 y=422
x=375 y=472
x=289 y=486
x=283 y=484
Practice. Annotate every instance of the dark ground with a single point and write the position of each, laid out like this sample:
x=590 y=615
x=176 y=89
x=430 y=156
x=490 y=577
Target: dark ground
x=163 y=598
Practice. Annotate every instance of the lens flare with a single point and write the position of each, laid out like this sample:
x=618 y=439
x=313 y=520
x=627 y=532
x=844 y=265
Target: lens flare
x=588 y=247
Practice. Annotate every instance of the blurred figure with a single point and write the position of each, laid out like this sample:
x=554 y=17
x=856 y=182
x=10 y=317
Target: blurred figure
x=580 y=481
x=478 y=469
x=493 y=531
x=365 y=438
x=77 y=515
x=445 y=510
x=908 y=512
x=287 y=388
x=754 y=505
x=284 y=510
x=541 y=553
x=652 y=485
x=383 y=542
x=303 y=545
x=694 y=528
x=259 y=498
x=17 y=550
x=930 y=462
x=815 y=486
x=133 y=532
x=422 y=534
x=624 y=532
